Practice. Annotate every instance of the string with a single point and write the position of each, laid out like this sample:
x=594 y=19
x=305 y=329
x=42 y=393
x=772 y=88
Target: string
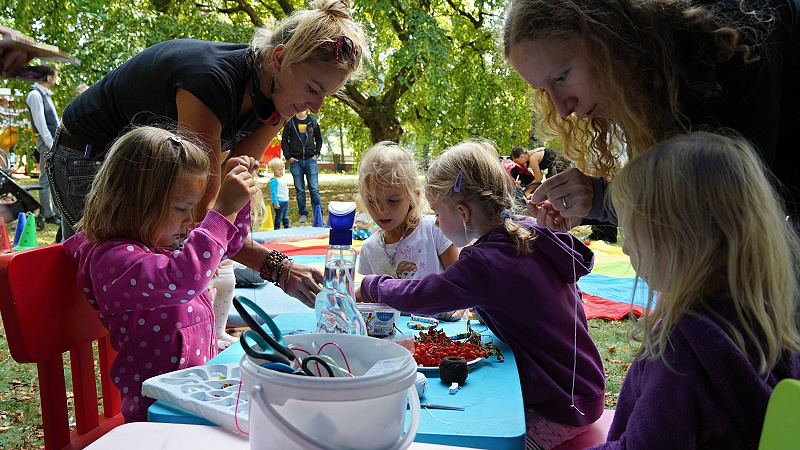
x=575 y=327
x=575 y=324
x=236 y=411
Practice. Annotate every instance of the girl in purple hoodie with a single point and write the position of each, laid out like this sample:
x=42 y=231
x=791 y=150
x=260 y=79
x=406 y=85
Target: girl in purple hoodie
x=522 y=280
x=145 y=266
x=708 y=232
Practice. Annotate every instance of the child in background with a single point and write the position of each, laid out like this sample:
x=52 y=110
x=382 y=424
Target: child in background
x=144 y=265
x=706 y=230
x=389 y=187
x=522 y=280
x=279 y=190
x=364 y=225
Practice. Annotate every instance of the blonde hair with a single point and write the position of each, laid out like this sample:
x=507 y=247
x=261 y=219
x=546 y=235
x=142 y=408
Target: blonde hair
x=386 y=164
x=702 y=206
x=304 y=32
x=473 y=167
x=276 y=163
x=132 y=194
x=636 y=57
x=259 y=212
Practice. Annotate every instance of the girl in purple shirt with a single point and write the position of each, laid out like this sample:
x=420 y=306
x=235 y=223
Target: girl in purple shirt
x=707 y=231
x=143 y=264
x=522 y=280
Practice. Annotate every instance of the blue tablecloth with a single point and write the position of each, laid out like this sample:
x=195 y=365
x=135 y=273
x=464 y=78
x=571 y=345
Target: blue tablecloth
x=493 y=415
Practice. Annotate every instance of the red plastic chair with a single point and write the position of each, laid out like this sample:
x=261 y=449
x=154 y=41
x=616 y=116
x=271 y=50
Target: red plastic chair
x=45 y=314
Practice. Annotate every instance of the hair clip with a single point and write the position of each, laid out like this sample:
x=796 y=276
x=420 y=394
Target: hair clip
x=176 y=139
x=457 y=184
x=505 y=214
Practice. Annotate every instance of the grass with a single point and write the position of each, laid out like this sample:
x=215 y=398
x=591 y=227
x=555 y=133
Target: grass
x=20 y=422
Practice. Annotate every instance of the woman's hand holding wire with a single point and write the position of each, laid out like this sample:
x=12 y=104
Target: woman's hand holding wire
x=238 y=185
x=562 y=200
x=303 y=283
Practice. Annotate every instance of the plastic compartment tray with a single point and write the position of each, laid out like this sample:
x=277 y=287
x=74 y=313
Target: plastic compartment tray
x=211 y=392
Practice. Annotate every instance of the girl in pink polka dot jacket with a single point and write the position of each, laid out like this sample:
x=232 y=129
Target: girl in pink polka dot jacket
x=144 y=265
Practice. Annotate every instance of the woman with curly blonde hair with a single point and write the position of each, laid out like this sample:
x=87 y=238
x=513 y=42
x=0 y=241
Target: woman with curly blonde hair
x=614 y=76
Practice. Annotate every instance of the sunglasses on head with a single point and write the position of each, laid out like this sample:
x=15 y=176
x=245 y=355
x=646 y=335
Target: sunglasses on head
x=344 y=49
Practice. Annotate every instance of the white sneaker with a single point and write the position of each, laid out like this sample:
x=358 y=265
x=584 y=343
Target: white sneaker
x=303 y=218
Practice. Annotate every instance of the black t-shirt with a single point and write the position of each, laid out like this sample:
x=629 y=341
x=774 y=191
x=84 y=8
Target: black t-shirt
x=761 y=100
x=142 y=91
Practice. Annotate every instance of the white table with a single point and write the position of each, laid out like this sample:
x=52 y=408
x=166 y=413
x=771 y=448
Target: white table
x=174 y=436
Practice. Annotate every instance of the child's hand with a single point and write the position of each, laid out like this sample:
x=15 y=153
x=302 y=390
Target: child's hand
x=359 y=298
x=276 y=206
x=238 y=185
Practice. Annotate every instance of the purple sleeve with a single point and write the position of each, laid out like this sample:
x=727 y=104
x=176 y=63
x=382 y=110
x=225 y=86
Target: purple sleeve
x=453 y=289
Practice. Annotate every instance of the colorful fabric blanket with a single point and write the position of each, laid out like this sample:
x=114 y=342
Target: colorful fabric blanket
x=607 y=290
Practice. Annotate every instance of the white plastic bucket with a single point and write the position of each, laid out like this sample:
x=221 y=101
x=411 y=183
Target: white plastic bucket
x=360 y=412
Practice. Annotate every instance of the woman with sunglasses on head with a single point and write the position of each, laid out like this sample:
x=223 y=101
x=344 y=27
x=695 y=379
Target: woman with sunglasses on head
x=235 y=97
x=622 y=75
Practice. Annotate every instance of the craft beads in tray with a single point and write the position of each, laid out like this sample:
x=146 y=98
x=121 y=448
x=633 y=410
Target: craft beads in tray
x=211 y=392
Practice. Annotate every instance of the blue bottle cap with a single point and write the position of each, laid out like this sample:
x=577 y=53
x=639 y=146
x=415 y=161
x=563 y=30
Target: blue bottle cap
x=341 y=216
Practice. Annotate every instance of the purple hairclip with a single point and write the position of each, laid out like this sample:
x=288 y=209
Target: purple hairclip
x=457 y=184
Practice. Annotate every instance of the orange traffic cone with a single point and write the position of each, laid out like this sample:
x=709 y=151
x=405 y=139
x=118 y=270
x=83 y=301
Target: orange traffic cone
x=5 y=241
x=28 y=238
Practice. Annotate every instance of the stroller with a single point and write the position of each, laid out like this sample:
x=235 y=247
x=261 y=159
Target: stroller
x=15 y=199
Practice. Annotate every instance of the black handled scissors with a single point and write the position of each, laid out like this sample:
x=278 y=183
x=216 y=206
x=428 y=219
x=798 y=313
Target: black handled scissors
x=272 y=348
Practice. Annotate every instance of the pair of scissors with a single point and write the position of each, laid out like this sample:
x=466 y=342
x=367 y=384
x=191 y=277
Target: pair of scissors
x=271 y=348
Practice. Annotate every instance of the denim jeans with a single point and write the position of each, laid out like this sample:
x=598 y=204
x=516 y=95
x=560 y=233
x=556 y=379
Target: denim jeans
x=309 y=169
x=281 y=216
x=71 y=174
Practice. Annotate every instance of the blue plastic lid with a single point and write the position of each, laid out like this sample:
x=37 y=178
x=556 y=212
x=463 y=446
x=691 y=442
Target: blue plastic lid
x=341 y=216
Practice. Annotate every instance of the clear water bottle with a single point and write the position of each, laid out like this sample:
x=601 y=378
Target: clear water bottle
x=335 y=306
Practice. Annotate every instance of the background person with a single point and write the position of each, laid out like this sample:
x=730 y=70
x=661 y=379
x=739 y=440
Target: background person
x=302 y=143
x=614 y=76
x=279 y=192
x=81 y=88
x=45 y=122
x=234 y=97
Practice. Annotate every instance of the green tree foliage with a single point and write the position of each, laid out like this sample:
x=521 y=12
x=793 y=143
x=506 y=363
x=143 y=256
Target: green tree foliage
x=437 y=75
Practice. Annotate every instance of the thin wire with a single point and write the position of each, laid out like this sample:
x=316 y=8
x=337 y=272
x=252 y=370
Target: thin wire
x=575 y=327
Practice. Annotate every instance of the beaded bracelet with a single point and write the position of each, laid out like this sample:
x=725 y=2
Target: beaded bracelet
x=273 y=261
